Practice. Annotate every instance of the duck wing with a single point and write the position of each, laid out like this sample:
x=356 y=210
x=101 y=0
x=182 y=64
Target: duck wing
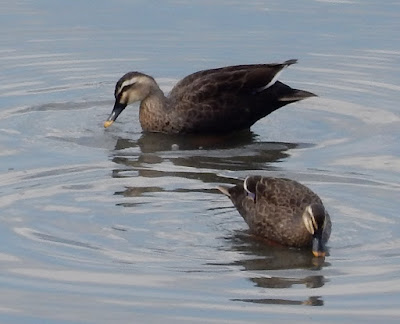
x=230 y=98
x=251 y=77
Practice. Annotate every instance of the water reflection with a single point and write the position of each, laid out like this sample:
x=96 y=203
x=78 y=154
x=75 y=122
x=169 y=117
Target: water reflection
x=260 y=257
x=197 y=159
x=193 y=155
x=156 y=142
x=279 y=282
x=311 y=301
x=270 y=256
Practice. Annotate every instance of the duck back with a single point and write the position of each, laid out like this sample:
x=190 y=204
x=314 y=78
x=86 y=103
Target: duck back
x=230 y=99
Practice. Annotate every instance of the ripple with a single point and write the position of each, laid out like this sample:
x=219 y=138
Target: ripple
x=103 y=226
x=93 y=278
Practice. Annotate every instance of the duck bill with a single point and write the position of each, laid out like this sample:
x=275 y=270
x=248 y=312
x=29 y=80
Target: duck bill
x=318 y=247
x=118 y=108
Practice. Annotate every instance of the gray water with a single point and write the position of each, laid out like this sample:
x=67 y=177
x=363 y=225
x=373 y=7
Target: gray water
x=117 y=226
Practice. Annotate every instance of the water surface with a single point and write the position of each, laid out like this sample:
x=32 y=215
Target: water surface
x=114 y=225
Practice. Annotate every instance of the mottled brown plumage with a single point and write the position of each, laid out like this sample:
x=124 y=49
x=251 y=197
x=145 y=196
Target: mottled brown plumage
x=213 y=101
x=283 y=211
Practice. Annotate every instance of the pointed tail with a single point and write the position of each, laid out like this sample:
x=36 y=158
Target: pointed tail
x=296 y=95
x=287 y=94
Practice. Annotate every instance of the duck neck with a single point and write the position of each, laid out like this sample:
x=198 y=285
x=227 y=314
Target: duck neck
x=153 y=110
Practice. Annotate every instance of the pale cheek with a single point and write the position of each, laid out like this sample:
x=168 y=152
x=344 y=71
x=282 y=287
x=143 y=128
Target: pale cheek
x=124 y=99
x=133 y=97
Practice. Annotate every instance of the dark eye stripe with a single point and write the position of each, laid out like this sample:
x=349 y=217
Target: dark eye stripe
x=123 y=90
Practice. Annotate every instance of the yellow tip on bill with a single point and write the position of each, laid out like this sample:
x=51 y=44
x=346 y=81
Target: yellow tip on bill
x=318 y=254
x=107 y=123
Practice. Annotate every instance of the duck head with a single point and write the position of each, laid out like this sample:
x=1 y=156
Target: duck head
x=132 y=87
x=314 y=219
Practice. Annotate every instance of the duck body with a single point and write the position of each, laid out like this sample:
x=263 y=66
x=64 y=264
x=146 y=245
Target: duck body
x=221 y=100
x=283 y=211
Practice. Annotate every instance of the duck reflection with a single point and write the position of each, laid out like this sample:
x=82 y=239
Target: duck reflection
x=311 y=301
x=154 y=155
x=278 y=282
x=270 y=256
x=234 y=152
x=262 y=256
x=157 y=142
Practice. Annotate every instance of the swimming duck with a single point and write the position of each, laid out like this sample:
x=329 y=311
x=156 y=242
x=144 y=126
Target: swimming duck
x=282 y=211
x=213 y=101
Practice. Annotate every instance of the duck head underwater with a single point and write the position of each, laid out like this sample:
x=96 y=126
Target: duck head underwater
x=282 y=211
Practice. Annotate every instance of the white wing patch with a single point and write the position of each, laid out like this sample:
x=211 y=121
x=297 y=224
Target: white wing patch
x=270 y=83
x=245 y=185
x=249 y=193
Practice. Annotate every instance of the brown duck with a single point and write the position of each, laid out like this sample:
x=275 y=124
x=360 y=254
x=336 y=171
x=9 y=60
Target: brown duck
x=283 y=211
x=213 y=101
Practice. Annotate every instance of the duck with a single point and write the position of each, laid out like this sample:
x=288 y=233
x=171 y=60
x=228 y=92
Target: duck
x=215 y=101
x=282 y=211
